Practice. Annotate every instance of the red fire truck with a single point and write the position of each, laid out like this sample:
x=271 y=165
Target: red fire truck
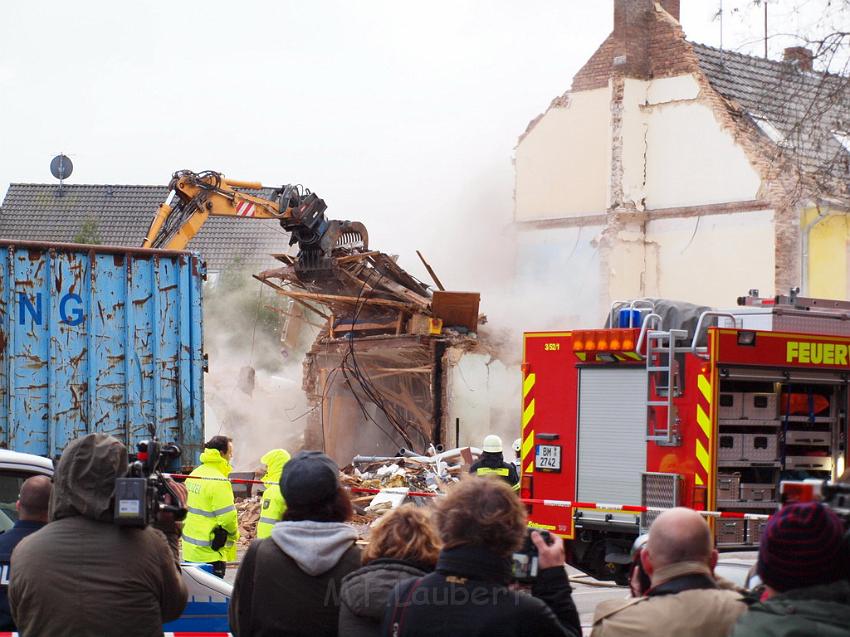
x=678 y=405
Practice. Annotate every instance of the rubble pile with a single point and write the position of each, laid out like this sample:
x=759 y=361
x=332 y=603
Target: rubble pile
x=248 y=513
x=418 y=474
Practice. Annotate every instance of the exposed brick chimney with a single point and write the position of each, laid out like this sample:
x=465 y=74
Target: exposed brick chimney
x=671 y=7
x=800 y=57
x=632 y=19
x=632 y=24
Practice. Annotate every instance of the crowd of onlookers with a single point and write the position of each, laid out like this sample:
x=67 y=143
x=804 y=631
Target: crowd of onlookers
x=441 y=570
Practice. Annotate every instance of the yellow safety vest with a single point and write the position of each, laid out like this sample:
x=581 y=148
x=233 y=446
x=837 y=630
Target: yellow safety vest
x=271 y=511
x=487 y=471
x=210 y=504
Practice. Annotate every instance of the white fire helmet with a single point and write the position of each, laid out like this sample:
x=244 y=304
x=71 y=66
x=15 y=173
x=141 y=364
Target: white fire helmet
x=492 y=444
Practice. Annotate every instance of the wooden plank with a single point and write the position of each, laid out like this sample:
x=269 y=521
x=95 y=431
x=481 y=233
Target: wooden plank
x=403 y=292
x=285 y=292
x=457 y=308
x=291 y=315
x=431 y=272
x=338 y=298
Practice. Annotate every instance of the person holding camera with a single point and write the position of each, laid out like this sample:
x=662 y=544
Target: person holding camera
x=481 y=524
x=803 y=564
x=684 y=597
x=82 y=575
x=211 y=528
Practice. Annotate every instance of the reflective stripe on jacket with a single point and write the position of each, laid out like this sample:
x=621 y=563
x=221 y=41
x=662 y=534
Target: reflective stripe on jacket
x=210 y=504
x=273 y=505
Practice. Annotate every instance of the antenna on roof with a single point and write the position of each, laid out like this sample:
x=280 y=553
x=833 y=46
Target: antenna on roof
x=765 y=29
x=61 y=168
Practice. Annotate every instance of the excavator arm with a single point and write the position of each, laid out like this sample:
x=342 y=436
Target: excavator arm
x=194 y=197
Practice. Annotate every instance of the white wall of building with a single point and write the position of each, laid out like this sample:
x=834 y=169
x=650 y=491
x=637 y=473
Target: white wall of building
x=691 y=160
x=714 y=262
x=558 y=279
x=484 y=393
x=563 y=163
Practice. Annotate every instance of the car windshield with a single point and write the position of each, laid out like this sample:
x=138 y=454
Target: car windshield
x=10 y=488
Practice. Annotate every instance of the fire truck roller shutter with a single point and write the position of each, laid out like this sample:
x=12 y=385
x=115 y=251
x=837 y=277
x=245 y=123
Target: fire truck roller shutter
x=611 y=437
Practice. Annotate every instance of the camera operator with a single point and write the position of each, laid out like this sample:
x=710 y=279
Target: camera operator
x=482 y=523
x=83 y=575
x=803 y=564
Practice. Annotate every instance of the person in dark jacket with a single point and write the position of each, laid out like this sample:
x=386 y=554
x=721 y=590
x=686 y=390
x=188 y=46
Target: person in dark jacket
x=481 y=524
x=402 y=546
x=492 y=462
x=82 y=575
x=803 y=564
x=32 y=506
x=288 y=583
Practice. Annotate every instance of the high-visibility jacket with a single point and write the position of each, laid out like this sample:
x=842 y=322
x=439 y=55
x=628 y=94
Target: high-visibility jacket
x=271 y=511
x=210 y=505
x=493 y=464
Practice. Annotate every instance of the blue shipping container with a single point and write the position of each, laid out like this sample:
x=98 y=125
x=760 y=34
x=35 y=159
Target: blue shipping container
x=103 y=339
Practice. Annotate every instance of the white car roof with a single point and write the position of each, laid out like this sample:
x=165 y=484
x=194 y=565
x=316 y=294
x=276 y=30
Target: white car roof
x=27 y=462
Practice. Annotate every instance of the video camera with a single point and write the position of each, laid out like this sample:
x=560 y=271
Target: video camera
x=834 y=495
x=140 y=496
x=525 y=562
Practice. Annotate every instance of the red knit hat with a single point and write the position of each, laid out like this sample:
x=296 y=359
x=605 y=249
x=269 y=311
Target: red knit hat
x=802 y=546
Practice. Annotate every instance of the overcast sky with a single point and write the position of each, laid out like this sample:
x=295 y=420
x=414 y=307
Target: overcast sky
x=403 y=115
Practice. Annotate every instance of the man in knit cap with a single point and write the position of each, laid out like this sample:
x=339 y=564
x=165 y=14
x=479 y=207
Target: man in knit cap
x=803 y=564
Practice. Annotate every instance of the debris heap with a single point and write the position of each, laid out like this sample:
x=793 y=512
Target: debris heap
x=416 y=474
x=375 y=375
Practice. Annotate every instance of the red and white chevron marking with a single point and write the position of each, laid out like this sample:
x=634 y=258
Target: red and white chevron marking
x=246 y=209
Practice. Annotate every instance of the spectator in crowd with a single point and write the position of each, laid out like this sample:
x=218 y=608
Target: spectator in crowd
x=492 y=462
x=684 y=599
x=212 y=527
x=402 y=546
x=32 y=507
x=271 y=511
x=288 y=583
x=481 y=523
x=82 y=575
x=803 y=565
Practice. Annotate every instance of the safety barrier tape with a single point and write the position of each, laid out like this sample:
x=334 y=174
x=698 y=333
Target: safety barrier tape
x=598 y=506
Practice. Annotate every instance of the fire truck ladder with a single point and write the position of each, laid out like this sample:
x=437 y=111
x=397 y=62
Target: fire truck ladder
x=662 y=368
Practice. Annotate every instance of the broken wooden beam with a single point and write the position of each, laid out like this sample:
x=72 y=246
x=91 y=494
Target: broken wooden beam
x=338 y=298
x=437 y=281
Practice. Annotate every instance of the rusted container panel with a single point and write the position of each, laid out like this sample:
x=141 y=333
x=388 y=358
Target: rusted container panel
x=99 y=339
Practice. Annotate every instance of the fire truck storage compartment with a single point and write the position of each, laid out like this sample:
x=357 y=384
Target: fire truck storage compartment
x=611 y=437
x=789 y=429
x=760 y=447
x=729 y=486
x=731 y=405
x=760 y=405
x=730 y=531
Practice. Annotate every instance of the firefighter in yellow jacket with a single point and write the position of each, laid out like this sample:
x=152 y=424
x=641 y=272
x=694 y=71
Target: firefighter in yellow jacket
x=211 y=527
x=273 y=505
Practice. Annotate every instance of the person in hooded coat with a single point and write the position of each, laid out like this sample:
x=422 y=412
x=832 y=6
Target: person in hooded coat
x=271 y=511
x=82 y=575
x=402 y=546
x=288 y=584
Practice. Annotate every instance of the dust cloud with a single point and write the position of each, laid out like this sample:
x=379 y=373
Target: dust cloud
x=240 y=331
